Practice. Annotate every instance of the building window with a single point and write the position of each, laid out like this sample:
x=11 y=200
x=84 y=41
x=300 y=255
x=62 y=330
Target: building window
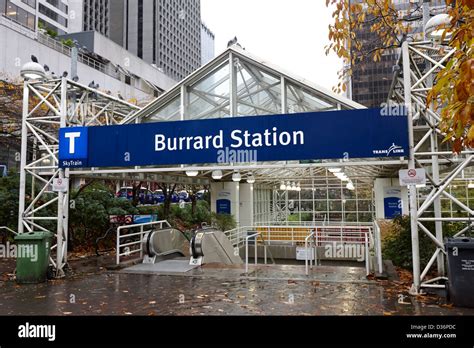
x=53 y=15
x=59 y=5
x=17 y=14
x=154 y=31
x=31 y=3
x=140 y=29
x=126 y=24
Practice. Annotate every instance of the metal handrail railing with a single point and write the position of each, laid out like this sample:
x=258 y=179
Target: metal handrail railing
x=8 y=229
x=134 y=234
x=295 y=234
x=323 y=222
x=86 y=60
x=378 y=247
x=247 y=251
x=314 y=257
x=348 y=240
x=255 y=236
x=349 y=234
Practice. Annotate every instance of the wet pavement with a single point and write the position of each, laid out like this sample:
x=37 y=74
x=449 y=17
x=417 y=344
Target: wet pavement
x=215 y=290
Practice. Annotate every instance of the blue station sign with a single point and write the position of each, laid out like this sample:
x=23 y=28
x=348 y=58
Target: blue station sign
x=305 y=136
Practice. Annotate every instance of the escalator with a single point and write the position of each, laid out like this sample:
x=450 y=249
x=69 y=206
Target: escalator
x=169 y=251
x=212 y=246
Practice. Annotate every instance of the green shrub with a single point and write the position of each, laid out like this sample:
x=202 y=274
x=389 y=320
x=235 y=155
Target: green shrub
x=9 y=198
x=304 y=217
x=89 y=214
x=397 y=242
x=51 y=33
x=181 y=217
x=223 y=222
x=150 y=210
x=68 y=42
x=185 y=218
x=202 y=212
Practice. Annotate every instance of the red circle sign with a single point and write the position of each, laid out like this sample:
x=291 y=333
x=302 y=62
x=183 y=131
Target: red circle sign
x=412 y=173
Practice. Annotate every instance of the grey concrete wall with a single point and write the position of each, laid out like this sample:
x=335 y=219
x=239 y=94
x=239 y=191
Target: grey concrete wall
x=75 y=16
x=17 y=49
x=84 y=39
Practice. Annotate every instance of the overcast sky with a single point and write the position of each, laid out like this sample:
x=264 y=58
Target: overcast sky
x=289 y=33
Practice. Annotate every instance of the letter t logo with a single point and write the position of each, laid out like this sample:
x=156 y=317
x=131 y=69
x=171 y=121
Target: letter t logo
x=72 y=136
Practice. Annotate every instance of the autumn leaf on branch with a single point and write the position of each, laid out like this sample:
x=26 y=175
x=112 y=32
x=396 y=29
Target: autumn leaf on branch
x=379 y=16
x=453 y=89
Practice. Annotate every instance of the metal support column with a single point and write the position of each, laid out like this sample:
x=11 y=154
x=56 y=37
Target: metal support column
x=24 y=153
x=411 y=165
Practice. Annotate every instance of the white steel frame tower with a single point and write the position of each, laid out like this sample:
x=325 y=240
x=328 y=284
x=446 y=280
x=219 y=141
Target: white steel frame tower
x=419 y=64
x=46 y=107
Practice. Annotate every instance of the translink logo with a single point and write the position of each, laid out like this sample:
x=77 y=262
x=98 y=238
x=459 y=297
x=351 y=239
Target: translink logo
x=73 y=146
x=394 y=149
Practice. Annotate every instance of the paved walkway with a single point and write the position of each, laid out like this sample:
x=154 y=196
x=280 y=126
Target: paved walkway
x=276 y=290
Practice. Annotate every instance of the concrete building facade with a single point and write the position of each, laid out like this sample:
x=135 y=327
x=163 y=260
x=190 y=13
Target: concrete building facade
x=166 y=34
x=33 y=14
x=207 y=44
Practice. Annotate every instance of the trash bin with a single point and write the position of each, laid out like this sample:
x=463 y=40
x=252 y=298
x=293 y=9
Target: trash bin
x=32 y=257
x=460 y=252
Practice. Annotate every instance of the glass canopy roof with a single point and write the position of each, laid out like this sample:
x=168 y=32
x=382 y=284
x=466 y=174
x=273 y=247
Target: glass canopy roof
x=237 y=84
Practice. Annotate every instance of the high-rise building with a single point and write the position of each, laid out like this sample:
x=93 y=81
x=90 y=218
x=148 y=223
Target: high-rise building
x=161 y=32
x=33 y=14
x=168 y=34
x=87 y=15
x=207 y=44
x=370 y=81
